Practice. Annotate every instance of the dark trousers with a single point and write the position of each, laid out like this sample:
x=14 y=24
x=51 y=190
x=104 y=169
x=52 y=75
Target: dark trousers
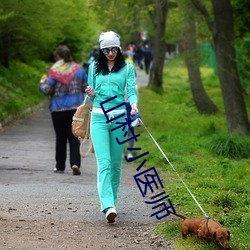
x=62 y=122
x=147 y=65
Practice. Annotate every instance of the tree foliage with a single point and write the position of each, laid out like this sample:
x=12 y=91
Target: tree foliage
x=28 y=33
x=33 y=29
x=241 y=18
x=126 y=17
x=242 y=35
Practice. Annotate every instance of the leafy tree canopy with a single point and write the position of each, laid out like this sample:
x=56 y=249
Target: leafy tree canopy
x=33 y=32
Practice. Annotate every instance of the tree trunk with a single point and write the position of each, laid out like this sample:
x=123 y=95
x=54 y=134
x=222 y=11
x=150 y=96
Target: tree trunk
x=223 y=38
x=201 y=99
x=159 y=46
x=235 y=109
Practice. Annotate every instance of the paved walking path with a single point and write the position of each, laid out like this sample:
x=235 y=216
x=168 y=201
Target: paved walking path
x=40 y=209
x=26 y=163
x=141 y=78
x=27 y=158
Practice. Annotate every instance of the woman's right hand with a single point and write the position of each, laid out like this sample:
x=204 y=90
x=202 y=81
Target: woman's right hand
x=90 y=91
x=134 y=109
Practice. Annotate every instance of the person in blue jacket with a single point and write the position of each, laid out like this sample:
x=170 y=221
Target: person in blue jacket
x=65 y=83
x=109 y=76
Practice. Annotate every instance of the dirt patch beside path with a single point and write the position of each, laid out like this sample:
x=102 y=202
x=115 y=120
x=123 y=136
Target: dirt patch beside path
x=57 y=235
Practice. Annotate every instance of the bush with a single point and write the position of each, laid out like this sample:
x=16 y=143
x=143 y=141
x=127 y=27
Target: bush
x=231 y=146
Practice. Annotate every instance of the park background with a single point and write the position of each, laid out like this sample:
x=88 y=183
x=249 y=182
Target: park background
x=200 y=135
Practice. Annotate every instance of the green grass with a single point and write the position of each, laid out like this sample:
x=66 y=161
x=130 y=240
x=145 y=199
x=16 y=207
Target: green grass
x=214 y=164
x=19 y=87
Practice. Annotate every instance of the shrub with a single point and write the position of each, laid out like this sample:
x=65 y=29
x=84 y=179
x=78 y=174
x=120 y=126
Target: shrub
x=231 y=146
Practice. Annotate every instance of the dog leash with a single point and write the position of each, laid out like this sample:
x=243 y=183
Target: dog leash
x=175 y=170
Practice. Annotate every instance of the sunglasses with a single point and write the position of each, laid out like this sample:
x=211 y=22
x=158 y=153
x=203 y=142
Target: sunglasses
x=106 y=51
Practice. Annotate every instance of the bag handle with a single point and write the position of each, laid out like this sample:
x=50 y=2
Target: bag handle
x=91 y=148
x=85 y=99
x=87 y=137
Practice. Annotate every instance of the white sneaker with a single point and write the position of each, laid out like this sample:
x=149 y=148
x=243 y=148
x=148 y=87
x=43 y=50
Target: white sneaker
x=129 y=155
x=58 y=171
x=111 y=214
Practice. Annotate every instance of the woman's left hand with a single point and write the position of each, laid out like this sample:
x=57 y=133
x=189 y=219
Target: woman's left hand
x=134 y=109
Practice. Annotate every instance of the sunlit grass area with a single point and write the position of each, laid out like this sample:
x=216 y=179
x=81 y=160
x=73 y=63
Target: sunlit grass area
x=214 y=164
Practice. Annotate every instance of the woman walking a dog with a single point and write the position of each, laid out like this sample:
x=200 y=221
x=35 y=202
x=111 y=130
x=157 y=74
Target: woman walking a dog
x=108 y=76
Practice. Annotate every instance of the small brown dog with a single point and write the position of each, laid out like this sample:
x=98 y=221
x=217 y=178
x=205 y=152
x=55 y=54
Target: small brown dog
x=205 y=229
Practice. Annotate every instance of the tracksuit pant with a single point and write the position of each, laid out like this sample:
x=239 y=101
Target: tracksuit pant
x=62 y=122
x=109 y=157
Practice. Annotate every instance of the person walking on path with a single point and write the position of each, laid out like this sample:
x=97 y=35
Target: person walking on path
x=147 y=54
x=65 y=84
x=108 y=77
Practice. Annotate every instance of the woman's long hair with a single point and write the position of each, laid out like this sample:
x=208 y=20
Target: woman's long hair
x=102 y=66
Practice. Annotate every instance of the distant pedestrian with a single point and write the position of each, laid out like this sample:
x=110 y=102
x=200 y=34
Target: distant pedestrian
x=138 y=56
x=147 y=54
x=93 y=55
x=65 y=84
x=107 y=79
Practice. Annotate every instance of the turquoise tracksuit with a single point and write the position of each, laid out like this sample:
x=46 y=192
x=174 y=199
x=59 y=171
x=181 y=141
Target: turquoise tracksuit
x=107 y=150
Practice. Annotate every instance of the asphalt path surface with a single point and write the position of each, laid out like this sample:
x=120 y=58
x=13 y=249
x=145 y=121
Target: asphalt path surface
x=26 y=164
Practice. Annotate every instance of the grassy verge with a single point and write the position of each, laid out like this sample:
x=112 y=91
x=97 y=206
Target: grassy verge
x=213 y=164
x=19 y=88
